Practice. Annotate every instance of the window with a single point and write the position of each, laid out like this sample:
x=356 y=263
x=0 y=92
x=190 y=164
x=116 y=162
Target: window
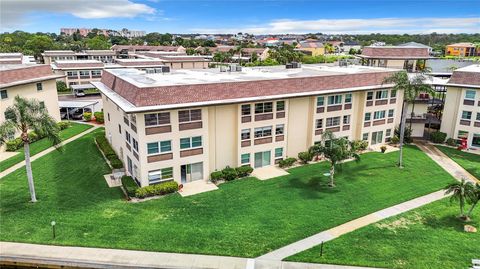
x=84 y=73
x=334 y=121
x=368 y=116
x=108 y=116
x=190 y=142
x=157 y=119
x=119 y=128
x=135 y=144
x=346 y=119
x=388 y=133
x=381 y=94
x=348 y=98
x=390 y=113
x=96 y=73
x=246 y=110
x=466 y=115
x=39 y=86
x=320 y=101
x=280 y=105
x=127 y=137
x=245 y=158
x=369 y=95
x=72 y=74
x=365 y=137
x=478 y=116
x=470 y=94
x=319 y=124
x=160 y=175
x=263 y=131
x=279 y=129
x=190 y=115
x=3 y=94
x=278 y=152
x=379 y=115
x=334 y=99
x=125 y=119
x=159 y=147
x=245 y=134
x=42 y=104
x=462 y=134
x=393 y=93
x=263 y=107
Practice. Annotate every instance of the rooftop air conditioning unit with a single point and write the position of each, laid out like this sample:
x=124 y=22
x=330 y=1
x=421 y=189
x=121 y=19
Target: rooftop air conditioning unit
x=239 y=68
x=343 y=63
x=289 y=66
x=150 y=71
x=296 y=65
x=165 y=69
x=158 y=70
x=232 y=68
x=223 y=68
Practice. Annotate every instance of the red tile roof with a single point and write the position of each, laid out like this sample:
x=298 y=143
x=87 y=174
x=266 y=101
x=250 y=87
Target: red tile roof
x=20 y=74
x=140 y=63
x=395 y=52
x=193 y=93
x=79 y=64
x=465 y=78
x=141 y=47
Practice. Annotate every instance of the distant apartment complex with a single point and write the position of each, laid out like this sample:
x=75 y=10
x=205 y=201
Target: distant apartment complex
x=186 y=124
x=461 y=115
x=50 y=56
x=85 y=31
x=409 y=58
x=462 y=49
x=311 y=48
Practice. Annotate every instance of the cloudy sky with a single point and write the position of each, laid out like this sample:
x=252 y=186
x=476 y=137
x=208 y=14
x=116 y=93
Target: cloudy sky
x=257 y=17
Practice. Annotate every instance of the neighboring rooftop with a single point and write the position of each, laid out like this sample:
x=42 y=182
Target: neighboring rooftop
x=18 y=74
x=15 y=58
x=466 y=76
x=73 y=53
x=72 y=64
x=462 y=44
x=310 y=45
x=414 y=45
x=395 y=52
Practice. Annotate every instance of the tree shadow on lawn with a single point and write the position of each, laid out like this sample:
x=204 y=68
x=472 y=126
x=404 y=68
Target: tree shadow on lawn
x=448 y=222
x=313 y=188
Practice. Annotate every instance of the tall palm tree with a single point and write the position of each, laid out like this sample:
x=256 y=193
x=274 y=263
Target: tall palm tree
x=462 y=192
x=29 y=115
x=411 y=87
x=335 y=150
x=474 y=199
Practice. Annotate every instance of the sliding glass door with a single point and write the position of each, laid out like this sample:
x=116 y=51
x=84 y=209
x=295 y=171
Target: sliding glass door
x=262 y=159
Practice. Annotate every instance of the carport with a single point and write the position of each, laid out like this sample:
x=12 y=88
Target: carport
x=73 y=110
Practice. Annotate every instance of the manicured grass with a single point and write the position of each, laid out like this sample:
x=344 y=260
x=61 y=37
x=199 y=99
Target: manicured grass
x=246 y=217
x=43 y=144
x=469 y=161
x=428 y=237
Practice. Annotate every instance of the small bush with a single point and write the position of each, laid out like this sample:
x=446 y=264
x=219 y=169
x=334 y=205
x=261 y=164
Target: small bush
x=107 y=150
x=360 y=145
x=87 y=116
x=395 y=140
x=157 y=189
x=63 y=125
x=383 y=149
x=32 y=137
x=99 y=117
x=129 y=185
x=287 y=162
x=451 y=142
x=216 y=176
x=14 y=144
x=438 y=137
x=244 y=171
x=305 y=156
x=229 y=173
x=407 y=135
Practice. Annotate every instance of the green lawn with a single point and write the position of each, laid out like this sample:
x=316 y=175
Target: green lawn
x=43 y=144
x=428 y=237
x=245 y=217
x=469 y=161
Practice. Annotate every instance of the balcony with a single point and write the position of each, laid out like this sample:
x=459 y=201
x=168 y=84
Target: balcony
x=422 y=118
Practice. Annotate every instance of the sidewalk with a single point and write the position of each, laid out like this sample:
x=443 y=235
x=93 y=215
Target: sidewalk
x=48 y=150
x=123 y=259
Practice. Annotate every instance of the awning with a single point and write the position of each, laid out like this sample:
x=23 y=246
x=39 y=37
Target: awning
x=82 y=86
x=76 y=104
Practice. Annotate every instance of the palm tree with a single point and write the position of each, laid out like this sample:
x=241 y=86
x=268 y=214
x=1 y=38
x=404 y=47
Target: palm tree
x=411 y=87
x=24 y=115
x=462 y=191
x=474 y=199
x=335 y=150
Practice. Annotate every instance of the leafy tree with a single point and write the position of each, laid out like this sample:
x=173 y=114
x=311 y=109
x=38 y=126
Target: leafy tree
x=463 y=192
x=24 y=115
x=61 y=86
x=98 y=43
x=410 y=88
x=38 y=44
x=335 y=150
x=474 y=199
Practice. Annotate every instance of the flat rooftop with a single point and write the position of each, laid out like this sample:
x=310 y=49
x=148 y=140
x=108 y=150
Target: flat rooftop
x=470 y=68
x=209 y=76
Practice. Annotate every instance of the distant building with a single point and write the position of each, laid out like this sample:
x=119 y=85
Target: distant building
x=407 y=58
x=416 y=45
x=311 y=48
x=82 y=31
x=50 y=56
x=122 y=51
x=462 y=50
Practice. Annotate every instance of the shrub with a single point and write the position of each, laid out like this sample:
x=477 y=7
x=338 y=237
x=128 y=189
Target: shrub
x=244 y=171
x=229 y=173
x=32 y=137
x=407 y=138
x=360 y=145
x=383 y=149
x=395 y=140
x=14 y=144
x=287 y=162
x=108 y=151
x=87 y=116
x=99 y=117
x=63 y=125
x=438 y=137
x=129 y=185
x=451 y=142
x=305 y=156
x=62 y=86
x=216 y=176
x=157 y=189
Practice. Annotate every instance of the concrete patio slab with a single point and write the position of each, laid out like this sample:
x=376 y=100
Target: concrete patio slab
x=111 y=181
x=196 y=187
x=269 y=172
x=7 y=154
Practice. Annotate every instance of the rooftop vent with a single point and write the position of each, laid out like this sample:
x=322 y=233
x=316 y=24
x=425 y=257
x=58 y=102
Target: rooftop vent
x=343 y=63
x=293 y=65
x=234 y=68
x=160 y=70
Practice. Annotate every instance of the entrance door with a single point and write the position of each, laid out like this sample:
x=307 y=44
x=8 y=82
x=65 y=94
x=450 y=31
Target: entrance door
x=191 y=172
x=377 y=137
x=262 y=159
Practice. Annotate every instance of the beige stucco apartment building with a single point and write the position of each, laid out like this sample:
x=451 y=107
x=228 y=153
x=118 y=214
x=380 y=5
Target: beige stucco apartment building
x=461 y=115
x=186 y=124
x=29 y=81
x=409 y=58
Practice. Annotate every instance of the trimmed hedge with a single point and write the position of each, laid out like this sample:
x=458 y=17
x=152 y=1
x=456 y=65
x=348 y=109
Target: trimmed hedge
x=129 y=185
x=157 y=189
x=17 y=143
x=229 y=173
x=87 y=116
x=244 y=171
x=305 y=156
x=360 y=144
x=287 y=162
x=438 y=137
x=99 y=117
x=63 y=125
x=108 y=151
x=451 y=142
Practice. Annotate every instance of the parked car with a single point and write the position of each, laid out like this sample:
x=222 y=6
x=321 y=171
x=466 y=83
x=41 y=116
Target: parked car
x=79 y=93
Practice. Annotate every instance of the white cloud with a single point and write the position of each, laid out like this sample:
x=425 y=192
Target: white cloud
x=358 y=26
x=15 y=13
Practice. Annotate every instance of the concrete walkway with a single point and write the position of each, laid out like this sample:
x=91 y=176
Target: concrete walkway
x=268 y=172
x=116 y=258
x=48 y=150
